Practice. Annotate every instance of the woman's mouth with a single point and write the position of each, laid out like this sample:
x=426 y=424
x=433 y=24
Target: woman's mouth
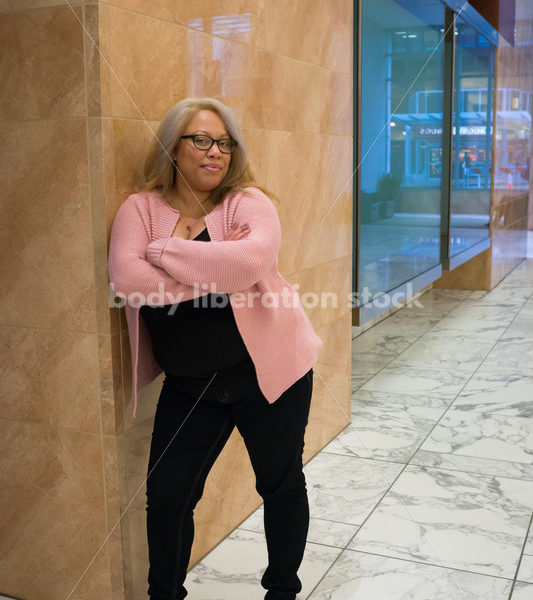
x=212 y=168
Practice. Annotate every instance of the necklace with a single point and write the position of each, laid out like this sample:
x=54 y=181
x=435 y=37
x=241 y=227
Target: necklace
x=188 y=228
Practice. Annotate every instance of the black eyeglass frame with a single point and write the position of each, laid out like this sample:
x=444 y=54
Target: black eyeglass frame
x=233 y=143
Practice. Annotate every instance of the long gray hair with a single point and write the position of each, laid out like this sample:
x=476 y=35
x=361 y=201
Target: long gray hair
x=159 y=168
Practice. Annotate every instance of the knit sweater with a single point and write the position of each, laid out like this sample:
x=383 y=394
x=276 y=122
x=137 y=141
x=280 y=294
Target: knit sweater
x=149 y=266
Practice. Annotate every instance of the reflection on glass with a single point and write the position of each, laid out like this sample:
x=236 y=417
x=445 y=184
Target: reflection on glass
x=513 y=138
x=471 y=139
x=402 y=64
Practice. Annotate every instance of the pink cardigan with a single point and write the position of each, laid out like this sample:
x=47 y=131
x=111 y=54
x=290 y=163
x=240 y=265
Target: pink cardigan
x=149 y=266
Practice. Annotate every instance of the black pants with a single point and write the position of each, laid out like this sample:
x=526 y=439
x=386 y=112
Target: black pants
x=274 y=438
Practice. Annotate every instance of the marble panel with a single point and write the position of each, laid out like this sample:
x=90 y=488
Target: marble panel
x=416 y=399
x=42 y=64
x=384 y=430
x=369 y=366
x=497 y=391
x=498 y=442
x=324 y=290
x=106 y=320
x=458 y=520
x=321 y=531
x=378 y=342
x=131 y=141
x=51 y=377
x=522 y=591
x=345 y=488
x=111 y=397
x=20 y=5
x=46 y=217
x=241 y=20
x=302 y=190
x=470 y=325
x=358 y=576
x=111 y=464
x=471 y=275
x=478 y=311
x=434 y=383
x=321 y=31
x=440 y=351
x=330 y=408
x=409 y=326
x=136 y=83
x=53 y=511
x=520 y=277
x=525 y=571
x=233 y=570
x=516 y=357
x=528 y=549
x=336 y=170
x=508 y=296
x=337 y=113
x=297 y=97
x=237 y=74
x=470 y=464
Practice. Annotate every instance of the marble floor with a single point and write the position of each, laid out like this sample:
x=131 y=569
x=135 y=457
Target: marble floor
x=428 y=494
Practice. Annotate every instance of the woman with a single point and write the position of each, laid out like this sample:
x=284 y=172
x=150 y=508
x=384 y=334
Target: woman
x=228 y=331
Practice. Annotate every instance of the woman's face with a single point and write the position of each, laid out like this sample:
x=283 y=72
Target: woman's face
x=202 y=169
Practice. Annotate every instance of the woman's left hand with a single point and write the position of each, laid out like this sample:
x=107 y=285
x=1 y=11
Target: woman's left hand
x=237 y=232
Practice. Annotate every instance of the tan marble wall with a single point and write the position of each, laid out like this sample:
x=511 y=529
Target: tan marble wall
x=59 y=492
x=78 y=112
x=286 y=72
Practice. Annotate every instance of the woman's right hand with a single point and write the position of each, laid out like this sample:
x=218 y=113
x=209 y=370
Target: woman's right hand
x=237 y=232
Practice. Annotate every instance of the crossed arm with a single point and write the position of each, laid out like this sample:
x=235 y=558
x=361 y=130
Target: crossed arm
x=140 y=267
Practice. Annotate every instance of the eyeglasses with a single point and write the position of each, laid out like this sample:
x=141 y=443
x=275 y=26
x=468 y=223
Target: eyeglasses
x=205 y=142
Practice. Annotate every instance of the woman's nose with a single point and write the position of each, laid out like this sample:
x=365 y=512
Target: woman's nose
x=214 y=150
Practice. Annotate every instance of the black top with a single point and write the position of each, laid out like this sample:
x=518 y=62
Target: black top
x=196 y=337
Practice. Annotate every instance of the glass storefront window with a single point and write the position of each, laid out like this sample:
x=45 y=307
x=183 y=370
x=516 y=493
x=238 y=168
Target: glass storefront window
x=401 y=141
x=471 y=139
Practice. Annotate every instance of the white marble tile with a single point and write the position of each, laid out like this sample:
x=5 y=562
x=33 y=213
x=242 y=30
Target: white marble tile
x=358 y=380
x=527 y=310
x=522 y=591
x=469 y=328
x=512 y=297
x=525 y=571
x=470 y=464
x=440 y=383
x=407 y=329
x=479 y=311
x=441 y=351
x=521 y=329
x=483 y=435
x=378 y=343
x=529 y=543
x=499 y=392
x=384 y=430
x=359 y=576
x=516 y=357
x=465 y=521
x=321 y=531
x=345 y=488
x=368 y=367
x=420 y=399
x=233 y=570
x=432 y=306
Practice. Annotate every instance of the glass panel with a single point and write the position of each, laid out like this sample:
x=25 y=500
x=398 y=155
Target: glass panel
x=471 y=139
x=402 y=71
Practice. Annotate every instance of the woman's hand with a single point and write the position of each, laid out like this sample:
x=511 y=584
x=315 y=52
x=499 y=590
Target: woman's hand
x=237 y=232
